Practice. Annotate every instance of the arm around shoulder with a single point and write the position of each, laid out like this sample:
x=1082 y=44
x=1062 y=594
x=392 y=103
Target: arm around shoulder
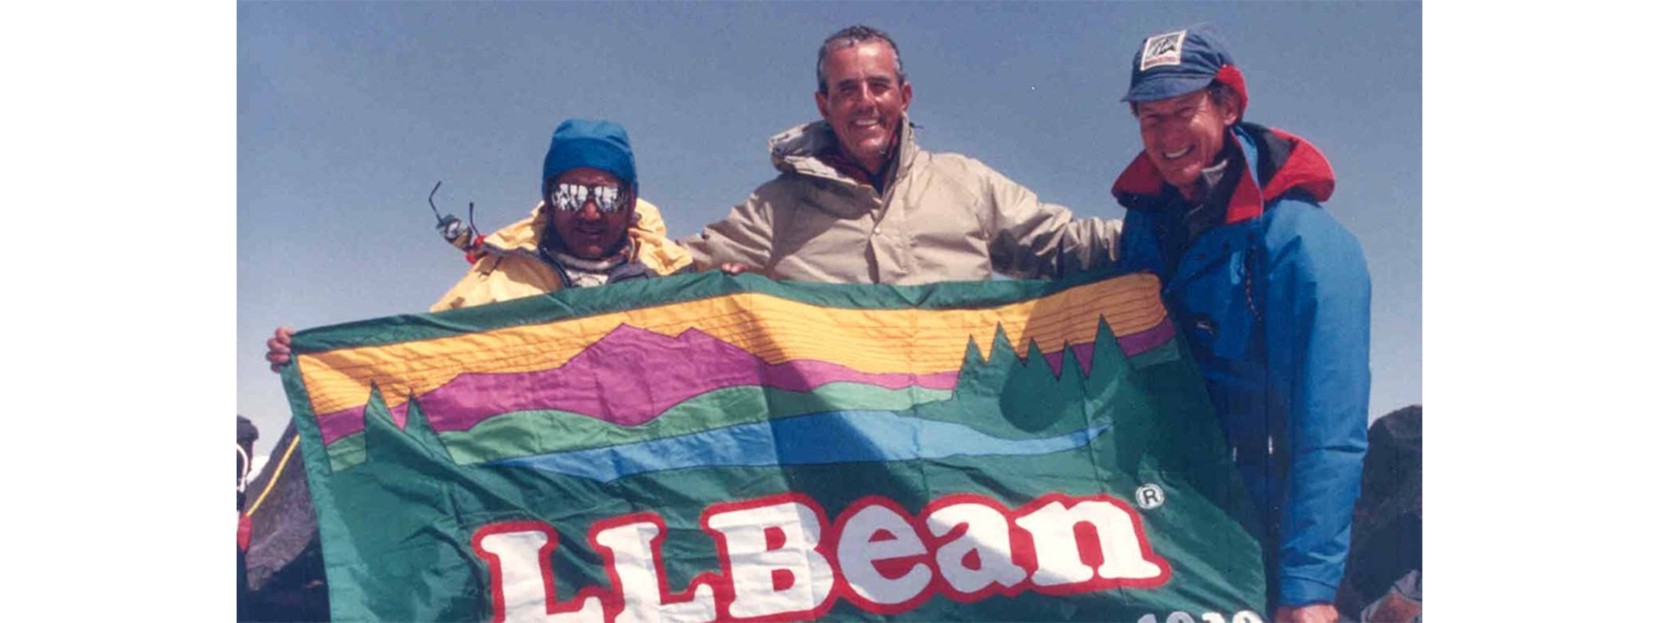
x=651 y=241
x=1029 y=235
x=743 y=237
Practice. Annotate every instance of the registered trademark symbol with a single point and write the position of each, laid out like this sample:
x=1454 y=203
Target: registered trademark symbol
x=1149 y=496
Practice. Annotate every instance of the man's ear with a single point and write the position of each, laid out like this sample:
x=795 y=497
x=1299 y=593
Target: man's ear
x=823 y=104
x=1230 y=107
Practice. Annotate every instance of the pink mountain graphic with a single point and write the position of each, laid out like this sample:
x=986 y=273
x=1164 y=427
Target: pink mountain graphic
x=628 y=377
x=631 y=376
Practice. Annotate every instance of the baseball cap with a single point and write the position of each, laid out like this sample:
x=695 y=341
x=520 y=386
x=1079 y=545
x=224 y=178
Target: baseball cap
x=1181 y=62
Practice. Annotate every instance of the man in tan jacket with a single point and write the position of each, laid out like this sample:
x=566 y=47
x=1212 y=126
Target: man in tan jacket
x=856 y=201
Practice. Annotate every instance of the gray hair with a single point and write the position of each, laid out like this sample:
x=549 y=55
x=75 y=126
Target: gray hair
x=851 y=36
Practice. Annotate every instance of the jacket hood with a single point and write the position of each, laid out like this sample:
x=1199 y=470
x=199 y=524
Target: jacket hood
x=1286 y=161
x=519 y=238
x=801 y=149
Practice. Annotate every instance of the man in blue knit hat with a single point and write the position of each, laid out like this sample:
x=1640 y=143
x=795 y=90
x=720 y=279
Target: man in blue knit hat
x=1272 y=294
x=591 y=228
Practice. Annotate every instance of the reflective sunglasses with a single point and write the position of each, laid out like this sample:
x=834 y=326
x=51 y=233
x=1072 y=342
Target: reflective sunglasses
x=571 y=197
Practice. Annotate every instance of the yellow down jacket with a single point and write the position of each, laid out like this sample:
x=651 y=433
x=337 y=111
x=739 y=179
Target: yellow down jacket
x=511 y=267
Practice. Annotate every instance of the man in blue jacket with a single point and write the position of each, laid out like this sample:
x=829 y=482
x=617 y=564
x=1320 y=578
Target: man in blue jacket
x=1271 y=293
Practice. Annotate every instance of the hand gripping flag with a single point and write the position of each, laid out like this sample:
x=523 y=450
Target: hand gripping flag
x=709 y=447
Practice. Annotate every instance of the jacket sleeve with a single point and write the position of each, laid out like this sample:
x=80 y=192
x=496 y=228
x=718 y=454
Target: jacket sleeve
x=1318 y=320
x=743 y=237
x=497 y=278
x=472 y=289
x=1028 y=235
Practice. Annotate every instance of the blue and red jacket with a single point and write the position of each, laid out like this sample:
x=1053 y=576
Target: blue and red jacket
x=1275 y=303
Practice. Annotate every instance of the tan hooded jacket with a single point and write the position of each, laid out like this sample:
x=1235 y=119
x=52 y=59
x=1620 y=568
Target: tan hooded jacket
x=943 y=217
x=512 y=267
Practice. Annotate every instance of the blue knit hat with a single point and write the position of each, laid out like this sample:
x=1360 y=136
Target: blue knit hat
x=599 y=145
x=1181 y=62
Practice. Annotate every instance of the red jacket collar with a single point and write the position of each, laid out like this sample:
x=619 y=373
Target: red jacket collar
x=1304 y=168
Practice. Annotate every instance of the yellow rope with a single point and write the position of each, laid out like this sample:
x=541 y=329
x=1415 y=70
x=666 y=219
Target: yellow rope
x=292 y=443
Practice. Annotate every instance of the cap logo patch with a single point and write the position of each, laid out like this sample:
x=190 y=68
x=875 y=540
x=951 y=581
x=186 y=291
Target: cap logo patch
x=1165 y=49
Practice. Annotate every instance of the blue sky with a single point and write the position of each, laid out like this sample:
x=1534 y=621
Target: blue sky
x=347 y=113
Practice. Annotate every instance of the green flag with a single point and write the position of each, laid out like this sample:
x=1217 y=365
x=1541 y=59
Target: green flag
x=709 y=447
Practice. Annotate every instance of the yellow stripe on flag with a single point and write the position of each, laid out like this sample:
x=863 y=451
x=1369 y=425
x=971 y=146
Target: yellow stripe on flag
x=866 y=340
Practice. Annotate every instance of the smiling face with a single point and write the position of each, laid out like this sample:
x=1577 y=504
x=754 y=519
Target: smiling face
x=588 y=231
x=866 y=100
x=1183 y=135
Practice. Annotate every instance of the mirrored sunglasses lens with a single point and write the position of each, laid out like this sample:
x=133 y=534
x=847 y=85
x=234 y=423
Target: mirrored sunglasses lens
x=605 y=198
x=570 y=197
